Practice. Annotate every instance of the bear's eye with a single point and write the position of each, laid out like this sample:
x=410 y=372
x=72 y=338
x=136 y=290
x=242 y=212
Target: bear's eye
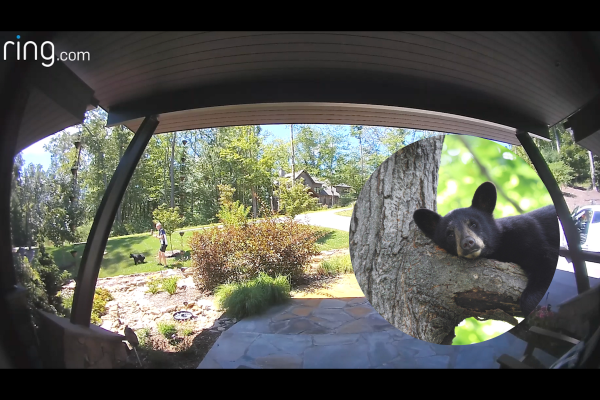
x=473 y=225
x=450 y=233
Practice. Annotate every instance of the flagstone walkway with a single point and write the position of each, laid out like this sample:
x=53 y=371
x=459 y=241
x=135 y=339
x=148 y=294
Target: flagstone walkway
x=342 y=333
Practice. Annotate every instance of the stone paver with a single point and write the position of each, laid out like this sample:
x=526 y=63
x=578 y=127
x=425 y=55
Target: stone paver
x=342 y=333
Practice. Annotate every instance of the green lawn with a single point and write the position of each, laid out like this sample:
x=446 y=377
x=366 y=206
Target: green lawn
x=117 y=261
x=334 y=239
x=345 y=213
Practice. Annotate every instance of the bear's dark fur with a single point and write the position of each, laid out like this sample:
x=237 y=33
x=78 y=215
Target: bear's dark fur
x=530 y=240
x=137 y=258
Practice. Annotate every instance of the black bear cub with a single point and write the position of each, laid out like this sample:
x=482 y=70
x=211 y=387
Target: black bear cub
x=137 y=258
x=530 y=240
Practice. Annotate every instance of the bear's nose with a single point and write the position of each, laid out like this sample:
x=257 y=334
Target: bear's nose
x=468 y=243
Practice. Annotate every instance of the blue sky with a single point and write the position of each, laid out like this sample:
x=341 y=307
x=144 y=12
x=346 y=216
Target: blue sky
x=37 y=155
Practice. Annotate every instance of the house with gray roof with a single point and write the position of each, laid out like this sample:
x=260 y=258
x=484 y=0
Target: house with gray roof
x=327 y=195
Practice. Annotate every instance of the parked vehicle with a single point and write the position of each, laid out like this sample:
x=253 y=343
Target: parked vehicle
x=587 y=221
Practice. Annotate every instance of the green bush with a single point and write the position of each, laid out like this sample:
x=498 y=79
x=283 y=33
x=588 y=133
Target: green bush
x=562 y=172
x=230 y=212
x=347 y=199
x=143 y=335
x=101 y=297
x=336 y=265
x=28 y=277
x=43 y=281
x=239 y=253
x=154 y=286
x=242 y=299
x=187 y=331
x=296 y=199
x=67 y=302
x=169 y=285
x=167 y=329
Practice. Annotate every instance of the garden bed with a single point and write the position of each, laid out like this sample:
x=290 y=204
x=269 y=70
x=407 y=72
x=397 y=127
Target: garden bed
x=144 y=312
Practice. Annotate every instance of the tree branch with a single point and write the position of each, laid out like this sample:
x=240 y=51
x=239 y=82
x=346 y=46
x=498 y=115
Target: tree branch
x=488 y=176
x=416 y=286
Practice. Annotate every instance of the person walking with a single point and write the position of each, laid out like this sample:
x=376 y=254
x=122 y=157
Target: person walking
x=162 y=236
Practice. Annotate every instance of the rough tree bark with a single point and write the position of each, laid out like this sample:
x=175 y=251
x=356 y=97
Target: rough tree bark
x=416 y=286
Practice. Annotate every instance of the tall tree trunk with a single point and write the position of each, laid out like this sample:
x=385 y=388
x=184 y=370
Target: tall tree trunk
x=172 y=170
x=362 y=167
x=120 y=209
x=254 y=203
x=422 y=290
x=165 y=190
x=592 y=170
x=557 y=138
x=293 y=162
x=271 y=198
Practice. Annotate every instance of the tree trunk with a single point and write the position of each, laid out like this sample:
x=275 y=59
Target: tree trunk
x=120 y=209
x=171 y=170
x=254 y=203
x=419 y=288
x=362 y=167
x=557 y=137
x=293 y=161
x=592 y=171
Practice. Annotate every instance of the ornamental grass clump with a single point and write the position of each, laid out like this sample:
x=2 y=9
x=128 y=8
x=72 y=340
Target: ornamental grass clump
x=336 y=266
x=242 y=299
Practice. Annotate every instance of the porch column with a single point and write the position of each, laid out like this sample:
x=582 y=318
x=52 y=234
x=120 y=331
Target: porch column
x=15 y=329
x=91 y=259
x=571 y=233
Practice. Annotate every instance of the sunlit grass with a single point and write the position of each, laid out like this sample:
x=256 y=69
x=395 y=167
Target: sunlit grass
x=336 y=266
x=345 y=213
x=334 y=239
x=117 y=261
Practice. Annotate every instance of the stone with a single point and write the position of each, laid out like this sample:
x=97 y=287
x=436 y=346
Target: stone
x=433 y=362
x=332 y=303
x=359 y=311
x=357 y=326
x=302 y=311
x=322 y=340
x=337 y=356
x=380 y=352
x=333 y=315
x=283 y=317
x=279 y=361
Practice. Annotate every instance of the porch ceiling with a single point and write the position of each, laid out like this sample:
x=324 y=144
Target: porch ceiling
x=524 y=80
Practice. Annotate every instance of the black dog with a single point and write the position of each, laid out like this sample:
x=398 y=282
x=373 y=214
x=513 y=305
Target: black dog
x=138 y=258
x=530 y=240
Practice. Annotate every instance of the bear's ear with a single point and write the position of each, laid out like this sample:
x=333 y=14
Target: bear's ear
x=484 y=198
x=427 y=221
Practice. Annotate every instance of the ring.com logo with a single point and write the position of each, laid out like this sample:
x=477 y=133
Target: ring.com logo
x=46 y=52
